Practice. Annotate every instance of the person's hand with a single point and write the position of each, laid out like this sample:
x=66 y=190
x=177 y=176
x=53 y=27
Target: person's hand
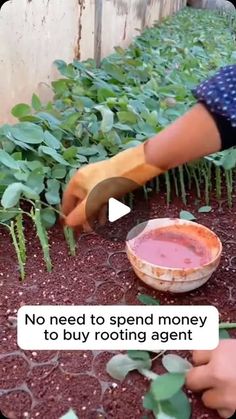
x=100 y=181
x=214 y=374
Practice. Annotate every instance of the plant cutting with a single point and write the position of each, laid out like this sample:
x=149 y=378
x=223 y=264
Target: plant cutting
x=165 y=397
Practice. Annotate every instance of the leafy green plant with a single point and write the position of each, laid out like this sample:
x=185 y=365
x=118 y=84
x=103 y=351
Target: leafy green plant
x=21 y=237
x=165 y=397
x=18 y=248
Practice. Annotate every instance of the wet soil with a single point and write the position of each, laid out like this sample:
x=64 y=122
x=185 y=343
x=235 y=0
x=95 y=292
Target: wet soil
x=45 y=384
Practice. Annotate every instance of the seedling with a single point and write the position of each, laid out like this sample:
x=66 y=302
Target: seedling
x=70 y=239
x=165 y=395
x=42 y=234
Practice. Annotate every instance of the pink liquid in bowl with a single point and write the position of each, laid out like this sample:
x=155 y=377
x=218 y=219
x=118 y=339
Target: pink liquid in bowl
x=171 y=249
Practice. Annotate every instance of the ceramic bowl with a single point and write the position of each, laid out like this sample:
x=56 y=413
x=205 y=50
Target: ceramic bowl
x=176 y=280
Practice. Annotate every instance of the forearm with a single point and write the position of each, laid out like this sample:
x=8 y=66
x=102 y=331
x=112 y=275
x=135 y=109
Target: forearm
x=190 y=137
x=207 y=128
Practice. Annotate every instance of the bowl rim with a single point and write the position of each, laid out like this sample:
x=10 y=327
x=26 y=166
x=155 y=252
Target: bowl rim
x=186 y=270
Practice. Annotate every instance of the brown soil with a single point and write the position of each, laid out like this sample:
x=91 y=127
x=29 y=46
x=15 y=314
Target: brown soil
x=44 y=384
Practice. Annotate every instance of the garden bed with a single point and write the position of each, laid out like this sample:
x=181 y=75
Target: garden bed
x=46 y=384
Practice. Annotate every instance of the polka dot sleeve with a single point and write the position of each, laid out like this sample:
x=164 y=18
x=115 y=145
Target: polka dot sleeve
x=218 y=94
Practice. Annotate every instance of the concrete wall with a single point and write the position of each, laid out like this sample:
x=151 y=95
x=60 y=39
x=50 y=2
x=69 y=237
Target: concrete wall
x=34 y=33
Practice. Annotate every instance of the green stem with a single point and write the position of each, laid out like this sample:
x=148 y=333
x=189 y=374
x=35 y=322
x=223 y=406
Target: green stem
x=181 y=178
x=207 y=177
x=158 y=355
x=196 y=183
x=175 y=182
x=70 y=239
x=42 y=235
x=168 y=188
x=148 y=374
x=218 y=183
x=228 y=177
x=189 y=176
x=21 y=237
x=17 y=249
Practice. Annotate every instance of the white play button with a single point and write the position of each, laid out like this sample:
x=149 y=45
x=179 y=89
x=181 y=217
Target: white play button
x=116 y=210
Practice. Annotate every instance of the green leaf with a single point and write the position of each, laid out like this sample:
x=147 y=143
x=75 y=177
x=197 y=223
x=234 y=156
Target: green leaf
x=35 y=180
x=52 y=153
x=48 y=217
x=51 y=141
x=122 y=127
x=8 y=161
x=70 y=153
x=35 y=164
x=115 y=71
x=149 y=402
x=127 y=117
x=51 y=120
x=120 y=365
x=104 y=93
x=69 y=415
x=178 y=407
x=205 y=209
x=8 y=215
x=17 y=155
x=167 y=385
x=52 y=195
x=21 y=176
x=70 y=121
x=119 y=50
x=87 y=151
x=139 y=355
x=152 y=119
x=224 y=334
x=13 y=193
x=27 y=132
x=176 y=364
x=60 y=86
x=186 y=215
x=65 y=70
x=59 y=171
x=147 y=300
x=107 y=118
x=21 y=110
x=229 y=161
x=36 y=103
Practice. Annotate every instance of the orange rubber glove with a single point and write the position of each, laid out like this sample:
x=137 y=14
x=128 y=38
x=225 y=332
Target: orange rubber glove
x=215 y=376
x=128 y=165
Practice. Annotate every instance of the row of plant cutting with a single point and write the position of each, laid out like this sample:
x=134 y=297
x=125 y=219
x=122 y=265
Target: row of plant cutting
x=98 y=111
